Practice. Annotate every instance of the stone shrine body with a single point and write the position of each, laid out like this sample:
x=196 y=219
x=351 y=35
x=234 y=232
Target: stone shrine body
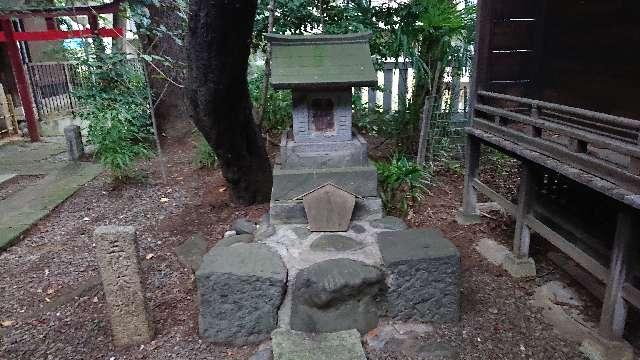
x=322 y=149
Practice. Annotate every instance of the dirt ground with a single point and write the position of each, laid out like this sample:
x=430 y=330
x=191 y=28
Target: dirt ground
x=52 y=306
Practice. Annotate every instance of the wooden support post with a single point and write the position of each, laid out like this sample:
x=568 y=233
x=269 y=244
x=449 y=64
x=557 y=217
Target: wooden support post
x=470 y=211
x=614 y=308
x=531 y=130
x=21 y=79
x=388 y=90
x=634 y=166
x=526 y=193
x=402 y=87
x=372 y=98
x=577 y=145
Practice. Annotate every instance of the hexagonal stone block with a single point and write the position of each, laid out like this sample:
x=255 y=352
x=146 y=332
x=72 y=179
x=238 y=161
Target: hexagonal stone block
x=423 y=275
x=240 y=290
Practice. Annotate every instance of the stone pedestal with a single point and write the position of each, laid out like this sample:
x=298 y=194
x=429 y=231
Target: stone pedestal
x=519 y=267
x=295 y=345
x=598 y=348
x=423 y=275
x=75 y=146
x=335 y=295
x=240 y=289
x=118 y=262
x=323 y=155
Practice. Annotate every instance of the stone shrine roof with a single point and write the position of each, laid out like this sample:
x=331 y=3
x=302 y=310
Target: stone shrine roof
x=321 y=61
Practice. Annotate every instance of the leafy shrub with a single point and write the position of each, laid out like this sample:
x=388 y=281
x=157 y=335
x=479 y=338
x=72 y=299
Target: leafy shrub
x=277 y=114
x=402 y=183
x=204 y=155
x=113 y=102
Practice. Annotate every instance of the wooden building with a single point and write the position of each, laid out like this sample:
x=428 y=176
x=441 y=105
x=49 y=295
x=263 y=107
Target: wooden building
x=555 y=87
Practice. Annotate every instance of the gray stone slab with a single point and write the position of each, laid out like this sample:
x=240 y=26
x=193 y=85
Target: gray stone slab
x=335 y=242
x=191 y=251
x=235 y=239
x=335 y=295
x=120 y=272
x=424 y=275
x=29 y=205
x=292 y=211
x=240 y=289
x=244 y=226
x=389 y=223
x=295 y=345
x=6 y=177
x=290 y=184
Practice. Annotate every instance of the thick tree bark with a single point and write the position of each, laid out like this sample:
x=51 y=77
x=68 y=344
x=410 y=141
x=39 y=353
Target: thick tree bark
x=218 y=45
x=171 y=106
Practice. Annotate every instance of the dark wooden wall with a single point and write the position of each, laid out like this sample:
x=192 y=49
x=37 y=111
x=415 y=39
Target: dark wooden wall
x=582 y=53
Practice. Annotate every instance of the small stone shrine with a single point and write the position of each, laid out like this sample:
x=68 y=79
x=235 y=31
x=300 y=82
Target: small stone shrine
x=325 y=265
x=322 y=147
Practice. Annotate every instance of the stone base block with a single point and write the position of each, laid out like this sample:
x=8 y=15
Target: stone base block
x=465 y=219
x=292 y=211
x=597 y=348
x=240 y=290
x=323 y=155
x=290 y=184
x=336 y=295
x=519 y=267
x=295 y=345
x=423 y=275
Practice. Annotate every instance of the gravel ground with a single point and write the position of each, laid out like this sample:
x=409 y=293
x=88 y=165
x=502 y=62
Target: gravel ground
x=52 y=306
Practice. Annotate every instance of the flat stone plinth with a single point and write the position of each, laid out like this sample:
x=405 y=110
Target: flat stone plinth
x=598 y=348
x=295 y=345
x=240 y=288
x=519 y=267
x=292 y=211
x=423 y=275
x=289 y=184
x=323 y=155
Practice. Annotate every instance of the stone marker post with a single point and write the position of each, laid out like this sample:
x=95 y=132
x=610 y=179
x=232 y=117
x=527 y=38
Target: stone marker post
x=74 y=142
x=118 y=262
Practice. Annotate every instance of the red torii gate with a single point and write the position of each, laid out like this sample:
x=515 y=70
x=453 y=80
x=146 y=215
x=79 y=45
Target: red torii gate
x=9 y=36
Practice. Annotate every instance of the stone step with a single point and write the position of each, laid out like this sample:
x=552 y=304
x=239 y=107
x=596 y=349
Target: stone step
x=295 y=345
x=24 y=208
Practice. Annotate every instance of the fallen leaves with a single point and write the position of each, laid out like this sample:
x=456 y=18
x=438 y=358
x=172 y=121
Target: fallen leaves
x=7 y=323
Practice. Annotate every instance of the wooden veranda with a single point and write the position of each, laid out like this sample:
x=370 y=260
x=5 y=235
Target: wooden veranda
x=578 y=142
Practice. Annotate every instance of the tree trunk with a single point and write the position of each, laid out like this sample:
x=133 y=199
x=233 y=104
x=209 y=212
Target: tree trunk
x=267 y=66
x=171 y=106
x=427 y=112
x=219 y=39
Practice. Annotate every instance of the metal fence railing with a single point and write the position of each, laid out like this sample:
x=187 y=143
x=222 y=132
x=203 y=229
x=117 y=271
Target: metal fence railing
x=52 y=85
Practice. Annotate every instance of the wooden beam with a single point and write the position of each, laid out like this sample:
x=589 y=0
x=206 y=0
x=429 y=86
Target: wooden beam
x=507 y=205
x=614 y=309
x=567 y=130
x=472 y=171
x=584 y=162
x=609 y=119
x=526 y=193
x=601 y=185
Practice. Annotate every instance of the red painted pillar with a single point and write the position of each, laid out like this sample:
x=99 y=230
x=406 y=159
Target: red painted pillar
x=21 y=80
